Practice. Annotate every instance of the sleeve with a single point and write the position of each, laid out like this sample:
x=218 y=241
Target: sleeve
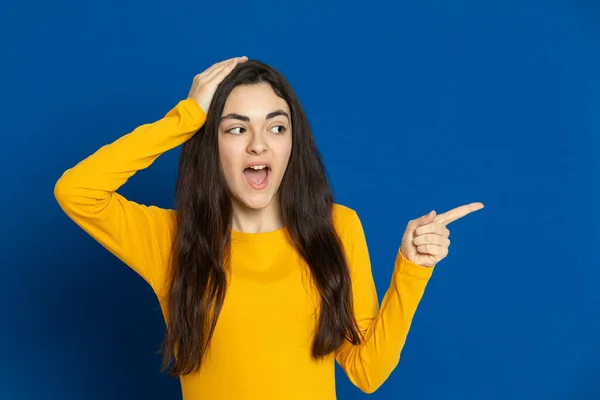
x=385 y=328
x=140 y=236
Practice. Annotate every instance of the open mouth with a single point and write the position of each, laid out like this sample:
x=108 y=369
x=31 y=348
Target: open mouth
x=257 y=175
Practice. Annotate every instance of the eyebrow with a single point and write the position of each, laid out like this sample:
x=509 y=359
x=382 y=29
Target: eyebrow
x=246 y=119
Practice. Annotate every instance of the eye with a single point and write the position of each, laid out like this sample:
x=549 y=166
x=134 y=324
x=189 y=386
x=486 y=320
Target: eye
x=281 y=130
x=236 y=133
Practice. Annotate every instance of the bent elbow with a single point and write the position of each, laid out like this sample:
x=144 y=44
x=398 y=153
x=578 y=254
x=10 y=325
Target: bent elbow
x=369 y=383
x=68 y=194
x=61 y=191
x=369 y=388
x=374 y=379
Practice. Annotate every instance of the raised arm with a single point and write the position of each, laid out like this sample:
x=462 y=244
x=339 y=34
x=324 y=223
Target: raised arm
x=138 y=235
x=141 y=236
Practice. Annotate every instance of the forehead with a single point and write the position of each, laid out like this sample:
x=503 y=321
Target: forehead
x=254 y=101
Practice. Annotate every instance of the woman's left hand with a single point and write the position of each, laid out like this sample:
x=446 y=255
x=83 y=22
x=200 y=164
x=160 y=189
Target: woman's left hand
x=425 y=241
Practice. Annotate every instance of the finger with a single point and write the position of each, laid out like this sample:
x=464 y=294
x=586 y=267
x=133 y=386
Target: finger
x=425 y=219
x=431 y=239
x=215 y=68
x=433 y=250
x=223 y=70
x=209 y=70
x=458 y=212
x=220 y=64
x=433 y=227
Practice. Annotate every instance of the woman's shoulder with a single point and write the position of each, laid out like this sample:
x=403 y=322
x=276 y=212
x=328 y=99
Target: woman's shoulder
x=343 y=212
x=345 y=219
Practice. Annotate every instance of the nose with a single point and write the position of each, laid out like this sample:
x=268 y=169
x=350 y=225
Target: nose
x=257 y=144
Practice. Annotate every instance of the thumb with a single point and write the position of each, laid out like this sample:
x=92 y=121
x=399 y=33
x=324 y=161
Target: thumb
x=424 y=220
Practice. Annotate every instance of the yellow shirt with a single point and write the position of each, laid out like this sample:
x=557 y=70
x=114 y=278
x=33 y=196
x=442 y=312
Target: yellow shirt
x=261 y=346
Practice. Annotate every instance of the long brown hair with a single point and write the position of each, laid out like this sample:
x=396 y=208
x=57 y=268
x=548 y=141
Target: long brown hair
x=204 y=212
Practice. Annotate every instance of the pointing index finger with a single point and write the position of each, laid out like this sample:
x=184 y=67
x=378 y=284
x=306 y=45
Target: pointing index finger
x=457 y=213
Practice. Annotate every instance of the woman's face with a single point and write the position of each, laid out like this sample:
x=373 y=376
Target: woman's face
x=255 y=142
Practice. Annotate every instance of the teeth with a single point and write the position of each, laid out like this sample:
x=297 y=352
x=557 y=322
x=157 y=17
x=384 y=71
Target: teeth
x=257 y=167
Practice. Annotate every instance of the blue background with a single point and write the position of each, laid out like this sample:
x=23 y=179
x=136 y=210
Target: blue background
x=415 y=105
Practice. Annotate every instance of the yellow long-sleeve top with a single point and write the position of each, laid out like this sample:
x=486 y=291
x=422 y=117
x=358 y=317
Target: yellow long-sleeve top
x=261 y=346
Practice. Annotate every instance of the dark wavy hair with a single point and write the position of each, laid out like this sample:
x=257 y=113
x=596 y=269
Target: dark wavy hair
x=202 y=245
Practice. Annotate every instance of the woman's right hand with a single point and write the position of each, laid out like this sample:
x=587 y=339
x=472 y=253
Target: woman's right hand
x=205 y=84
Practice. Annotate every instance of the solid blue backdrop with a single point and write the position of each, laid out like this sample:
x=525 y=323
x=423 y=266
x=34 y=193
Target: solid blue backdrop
x=415 y=105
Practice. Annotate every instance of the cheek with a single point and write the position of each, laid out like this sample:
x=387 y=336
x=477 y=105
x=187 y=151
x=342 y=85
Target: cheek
x=227 y=155
x=285 y=151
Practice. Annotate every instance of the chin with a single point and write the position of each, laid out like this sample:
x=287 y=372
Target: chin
x=255 y=202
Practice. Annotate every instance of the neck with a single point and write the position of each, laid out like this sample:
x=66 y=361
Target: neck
x=250 y=220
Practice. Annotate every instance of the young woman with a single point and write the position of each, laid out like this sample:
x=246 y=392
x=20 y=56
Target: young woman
x=262 y=279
